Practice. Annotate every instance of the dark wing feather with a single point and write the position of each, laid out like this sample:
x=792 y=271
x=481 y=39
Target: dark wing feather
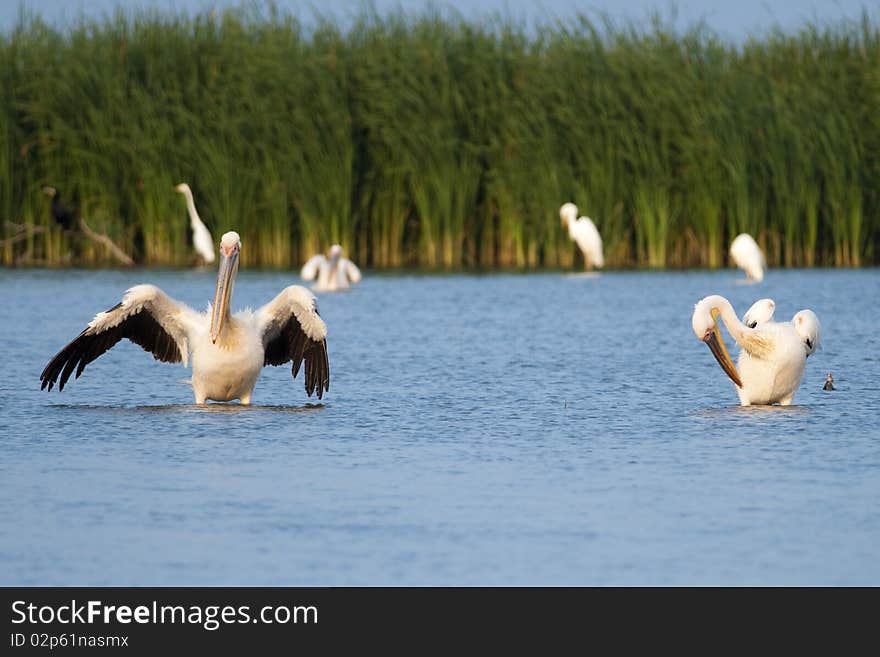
x=141 y=328
x=292 y=344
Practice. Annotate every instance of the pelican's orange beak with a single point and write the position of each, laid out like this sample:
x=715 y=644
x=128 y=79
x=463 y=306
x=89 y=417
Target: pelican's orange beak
x=225 y=280
x=716 y=345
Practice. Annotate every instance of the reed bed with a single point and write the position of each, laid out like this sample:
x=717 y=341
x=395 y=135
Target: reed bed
x=432 y=141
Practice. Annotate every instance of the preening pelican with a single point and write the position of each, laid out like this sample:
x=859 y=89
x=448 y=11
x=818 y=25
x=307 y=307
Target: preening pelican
x=227 y=351
x=747 y=255
x=583 y=231
x=773 y=357
x=202 y=240
x=334 y=272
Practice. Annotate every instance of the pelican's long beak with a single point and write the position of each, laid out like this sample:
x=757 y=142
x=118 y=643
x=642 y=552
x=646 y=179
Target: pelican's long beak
x=719 y=350
x=225 y=279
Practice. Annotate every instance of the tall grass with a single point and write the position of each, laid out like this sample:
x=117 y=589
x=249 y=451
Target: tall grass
x=429 y=140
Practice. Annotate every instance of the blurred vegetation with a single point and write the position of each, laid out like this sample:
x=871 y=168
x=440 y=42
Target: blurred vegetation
x=430 y=140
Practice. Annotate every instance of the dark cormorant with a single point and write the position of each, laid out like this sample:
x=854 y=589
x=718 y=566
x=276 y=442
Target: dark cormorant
x=64 y=214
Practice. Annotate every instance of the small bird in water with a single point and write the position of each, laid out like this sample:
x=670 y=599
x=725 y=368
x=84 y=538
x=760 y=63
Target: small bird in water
x=829 y=383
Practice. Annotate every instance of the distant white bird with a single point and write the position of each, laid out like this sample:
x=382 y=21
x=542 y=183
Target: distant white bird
x=773 y=357
x=747 y=255
x=583 y=231
x=202 y=240
x=228 y=351
x=333 y=272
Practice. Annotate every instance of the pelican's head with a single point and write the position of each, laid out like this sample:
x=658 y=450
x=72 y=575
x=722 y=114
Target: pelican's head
x=183 y=188
x=48 y=190
x=807 y=326
x=760 y=312
x=568 y=213
x=230 y=246
x=705 y=325
x=230 y=243
x=335 y=252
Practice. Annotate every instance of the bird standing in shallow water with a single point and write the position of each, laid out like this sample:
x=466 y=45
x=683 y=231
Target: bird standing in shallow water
x=333 y=272
x=64 y=214
x=585 y=234
x=747 y=255
x=227 y=351
x=773 y=357
x=202 y=240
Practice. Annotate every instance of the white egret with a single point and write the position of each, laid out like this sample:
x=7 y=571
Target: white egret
x=333 y=272
x=583 y=231
x=227 y=351
x=202 y=240
x=773 y=357
x=747 y=255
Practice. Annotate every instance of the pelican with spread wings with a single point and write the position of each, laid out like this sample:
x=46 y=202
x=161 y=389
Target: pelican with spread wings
x=334 y=272
x=227 y=351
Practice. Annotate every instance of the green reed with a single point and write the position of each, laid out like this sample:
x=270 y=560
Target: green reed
x=429 y=140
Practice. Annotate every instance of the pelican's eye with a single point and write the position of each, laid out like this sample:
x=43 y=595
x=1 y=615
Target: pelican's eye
x=809 y=344
x=752 y=324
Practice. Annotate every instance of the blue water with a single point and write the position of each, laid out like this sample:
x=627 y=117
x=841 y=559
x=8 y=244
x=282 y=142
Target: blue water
x=501 y=429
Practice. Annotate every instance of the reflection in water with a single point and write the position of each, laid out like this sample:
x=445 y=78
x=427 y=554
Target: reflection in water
x=218 y=407
x=232 y=408
x=754 y=411
x=584 y=274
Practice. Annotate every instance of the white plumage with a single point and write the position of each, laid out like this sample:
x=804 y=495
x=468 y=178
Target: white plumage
x=585 y=234
x=333 y=272
x=227 y=351
x=747 y=255
x=760 y=312
x=202 y=240
x=773 y=357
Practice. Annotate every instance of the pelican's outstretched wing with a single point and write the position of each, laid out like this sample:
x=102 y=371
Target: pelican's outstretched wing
x=351 y=271
x=759 y=339
x=761 y=312
x=312 y=267
x=146 y=316
x=292 y=330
